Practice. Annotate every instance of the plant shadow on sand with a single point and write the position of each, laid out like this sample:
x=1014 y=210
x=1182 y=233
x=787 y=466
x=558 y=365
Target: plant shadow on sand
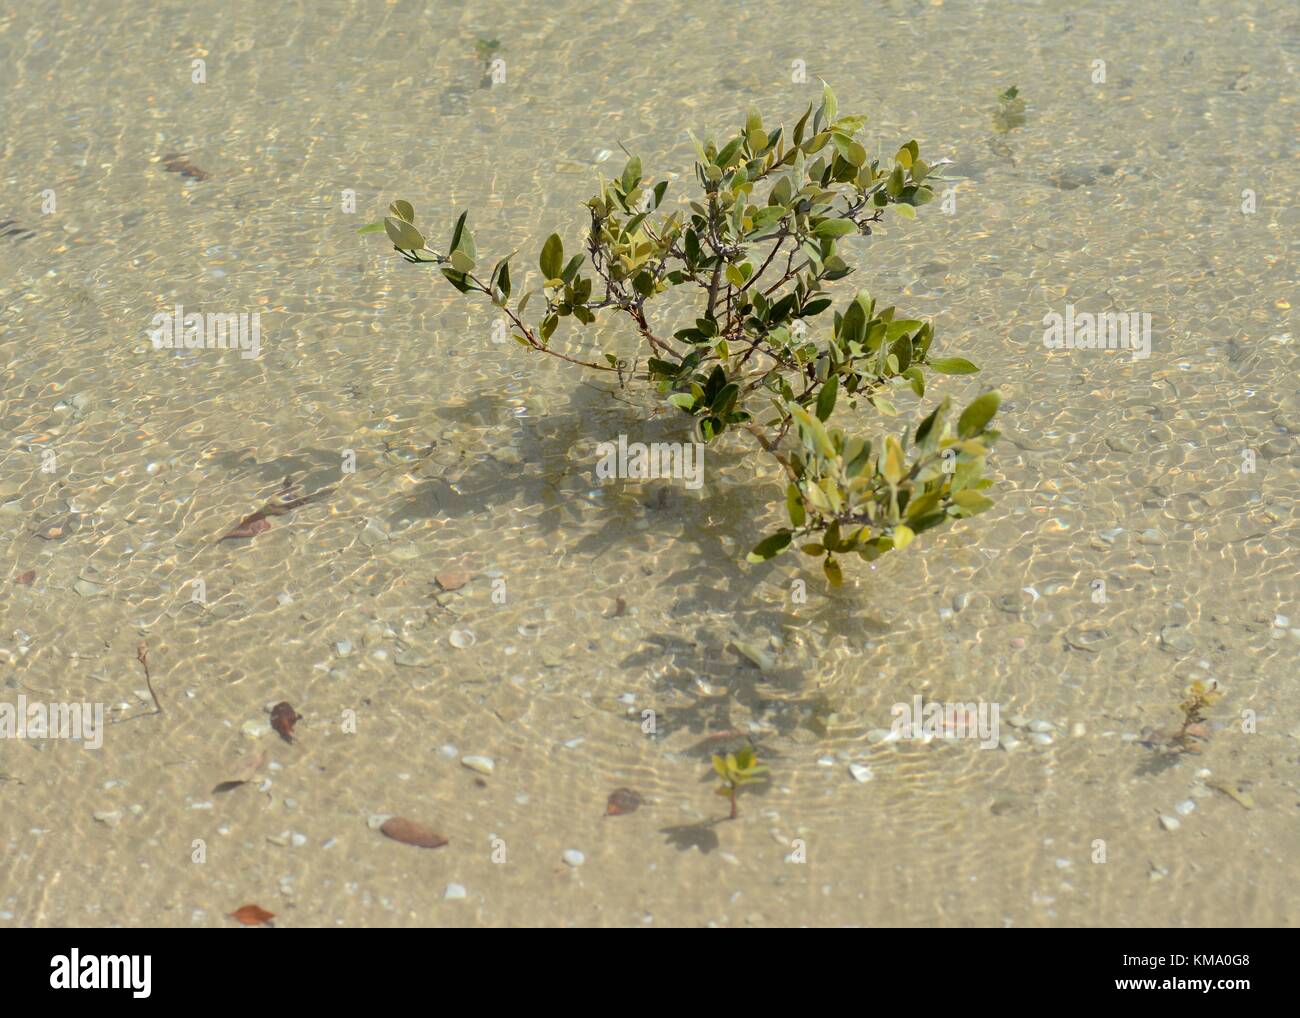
x=709 y=689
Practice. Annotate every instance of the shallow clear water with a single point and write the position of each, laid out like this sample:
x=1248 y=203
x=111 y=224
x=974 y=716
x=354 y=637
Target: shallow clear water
x=121 y=465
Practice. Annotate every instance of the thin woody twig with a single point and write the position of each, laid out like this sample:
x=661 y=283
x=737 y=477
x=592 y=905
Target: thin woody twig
x=142 y=655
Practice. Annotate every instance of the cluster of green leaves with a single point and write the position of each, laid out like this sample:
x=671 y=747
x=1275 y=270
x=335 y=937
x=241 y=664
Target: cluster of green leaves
x=761 y=245
x=850 y=496
x=736 y=770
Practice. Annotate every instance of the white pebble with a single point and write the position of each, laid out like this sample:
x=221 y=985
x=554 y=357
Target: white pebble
x=1170 y=823
x=861 y=773
x=1184 y=807
x=573 y=857
x=454 y=892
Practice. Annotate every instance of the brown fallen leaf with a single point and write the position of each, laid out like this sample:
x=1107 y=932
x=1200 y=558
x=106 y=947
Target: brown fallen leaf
x=622 y=800
x=243 y=771
x=408 y=832
x=452 y=579
x=254 y=523
x=283 y=718
x=249 y=526
x=1236 y=791
x=175 y=162
x=252 y=915
x=26 y=579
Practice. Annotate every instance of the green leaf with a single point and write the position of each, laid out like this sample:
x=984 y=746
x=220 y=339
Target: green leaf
x=971 y=502
x=954 y=366
x=826 y=398
x=834 y=228
x=816 y=435
x=829 y=103
x=462 y=262
x=895 y=468
x=794 y=505
x=571 y=270
x=682 y=400
x=770 y=546
x=457 y=279
x=797 y=137
x=402 y=210
x=631 y=174
x=978 y=414
x=833 y=572
x=927 y=426
x=457 y=231
x=373 y=227
x=404 y=236
x=725 y=398
x=552 y=259
x=502 y=282
x=922 y=506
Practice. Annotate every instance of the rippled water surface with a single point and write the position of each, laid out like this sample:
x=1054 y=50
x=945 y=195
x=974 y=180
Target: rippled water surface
x=121 y=465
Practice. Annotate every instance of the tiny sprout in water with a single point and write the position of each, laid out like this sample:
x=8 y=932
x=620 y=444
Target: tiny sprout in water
x=1201 y=697
x=736 y=770
x=1010 y=112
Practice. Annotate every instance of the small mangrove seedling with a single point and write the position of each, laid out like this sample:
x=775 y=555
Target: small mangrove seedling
x=728 y=290
x=1200 y=698
x=487 y=50
x=737 y=770
x=1010 y=113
